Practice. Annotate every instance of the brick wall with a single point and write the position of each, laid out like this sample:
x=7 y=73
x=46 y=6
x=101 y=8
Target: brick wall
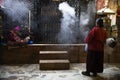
x=30 y=54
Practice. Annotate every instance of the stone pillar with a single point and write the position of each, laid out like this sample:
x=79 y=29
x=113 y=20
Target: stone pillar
x=118 y=19
x=118 y=26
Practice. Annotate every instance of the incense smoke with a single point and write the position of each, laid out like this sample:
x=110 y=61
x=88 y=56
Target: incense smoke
x=70 y=32
x=87 y=19
x=17 y=10
x=67 y=32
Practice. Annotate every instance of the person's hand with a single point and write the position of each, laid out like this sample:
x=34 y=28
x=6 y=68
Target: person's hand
x=27 y=38
x=22 y=41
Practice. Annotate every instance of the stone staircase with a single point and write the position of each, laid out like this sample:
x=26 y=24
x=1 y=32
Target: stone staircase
x=54 y=60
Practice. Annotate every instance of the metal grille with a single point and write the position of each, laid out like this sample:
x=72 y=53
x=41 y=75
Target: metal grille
x=47 y=19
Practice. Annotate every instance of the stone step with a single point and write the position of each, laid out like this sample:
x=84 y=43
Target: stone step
x=54 y=64
x=44 y=55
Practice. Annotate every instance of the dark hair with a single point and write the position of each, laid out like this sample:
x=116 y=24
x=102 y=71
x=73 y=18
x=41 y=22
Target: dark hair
x=99 y=22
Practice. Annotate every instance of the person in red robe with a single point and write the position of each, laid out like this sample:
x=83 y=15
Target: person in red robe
x=95 y=52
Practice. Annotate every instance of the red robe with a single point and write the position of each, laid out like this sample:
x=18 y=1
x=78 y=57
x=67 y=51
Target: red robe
x=96 y=39
x=95 y=56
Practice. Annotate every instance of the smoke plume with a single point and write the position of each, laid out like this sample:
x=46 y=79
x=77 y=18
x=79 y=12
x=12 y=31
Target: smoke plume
x=17 y=10
x=87 y=19
x=67 y=32
x=74 y=29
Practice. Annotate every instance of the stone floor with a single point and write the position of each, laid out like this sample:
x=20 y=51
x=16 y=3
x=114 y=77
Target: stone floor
x=32 y=72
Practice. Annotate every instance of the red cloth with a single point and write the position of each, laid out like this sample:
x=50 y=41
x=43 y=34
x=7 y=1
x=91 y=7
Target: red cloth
x=96 y=39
